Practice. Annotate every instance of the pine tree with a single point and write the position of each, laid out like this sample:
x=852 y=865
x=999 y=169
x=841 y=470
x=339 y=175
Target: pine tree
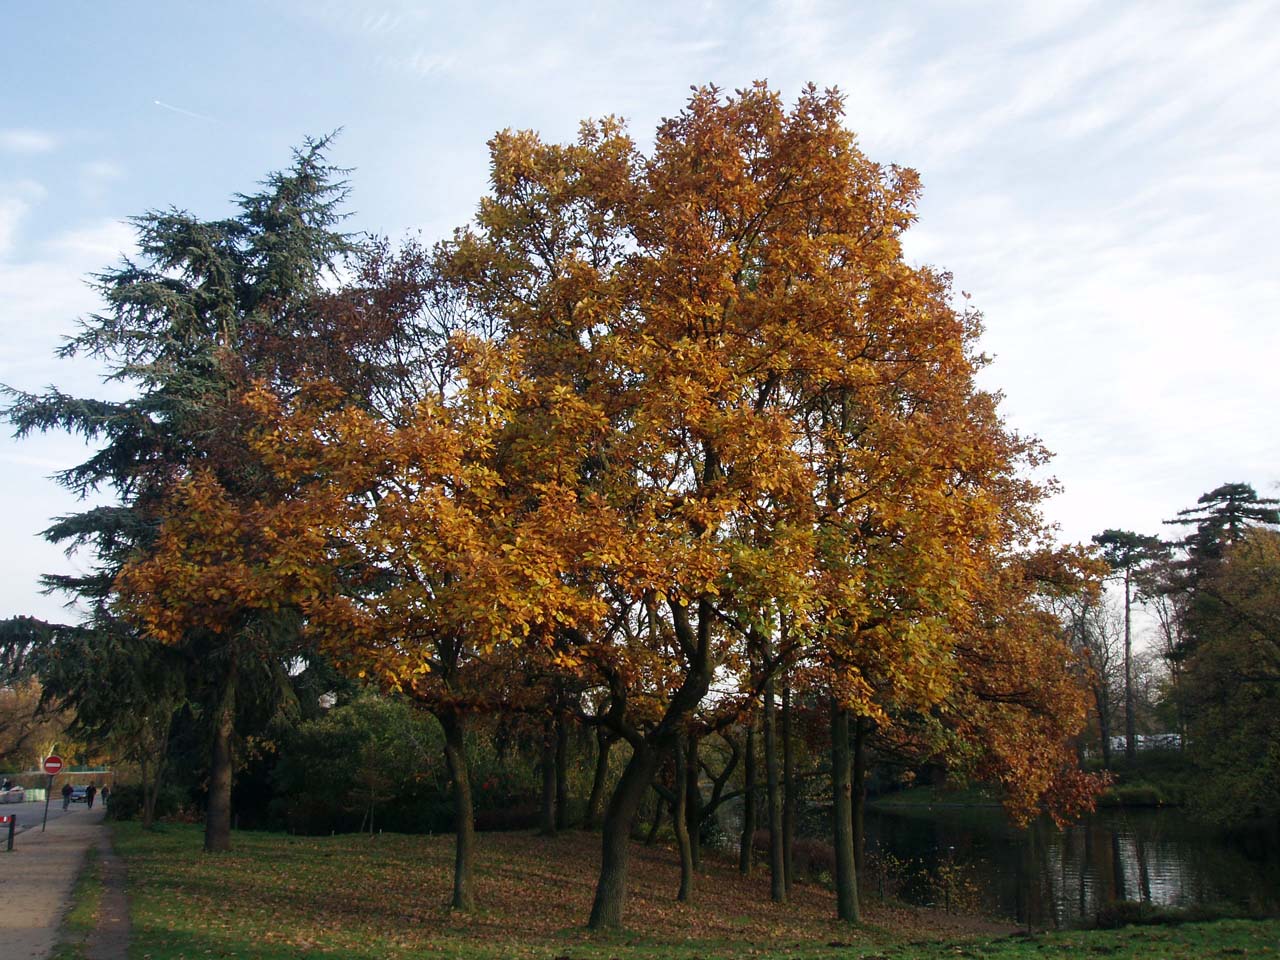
x=1127 y=553
x=1221 y=518
x=205 y=308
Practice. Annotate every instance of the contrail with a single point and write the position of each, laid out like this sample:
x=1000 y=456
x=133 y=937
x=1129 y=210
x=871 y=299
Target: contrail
x=185 y=113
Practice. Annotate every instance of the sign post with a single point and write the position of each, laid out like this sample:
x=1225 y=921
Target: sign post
x=52 y=764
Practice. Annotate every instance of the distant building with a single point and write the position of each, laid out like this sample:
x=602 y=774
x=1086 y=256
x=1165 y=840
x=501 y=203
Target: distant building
x=1149 y=741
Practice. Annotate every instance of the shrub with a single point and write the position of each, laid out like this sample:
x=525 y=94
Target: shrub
x=515 y=815
x=886 y=874
x=1138 y=794
x=126 y=802
x=811 y=859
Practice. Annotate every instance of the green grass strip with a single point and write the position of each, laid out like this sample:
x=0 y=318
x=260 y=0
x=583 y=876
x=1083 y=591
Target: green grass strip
x=82 y=919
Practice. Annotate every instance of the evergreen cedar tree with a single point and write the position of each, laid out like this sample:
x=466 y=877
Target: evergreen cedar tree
x=208 y=308
x=692 y=415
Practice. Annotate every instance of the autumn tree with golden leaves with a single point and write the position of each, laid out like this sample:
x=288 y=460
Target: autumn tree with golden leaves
x=708 y=424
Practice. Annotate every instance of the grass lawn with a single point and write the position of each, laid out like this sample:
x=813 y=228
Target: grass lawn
x=358 y=897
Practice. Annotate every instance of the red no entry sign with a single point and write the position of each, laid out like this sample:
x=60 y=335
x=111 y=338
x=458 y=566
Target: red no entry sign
x=52 y=764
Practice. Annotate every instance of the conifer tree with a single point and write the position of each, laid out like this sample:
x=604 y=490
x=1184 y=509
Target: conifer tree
x=1127 y=553
x=1221 y=518
x=205 y=308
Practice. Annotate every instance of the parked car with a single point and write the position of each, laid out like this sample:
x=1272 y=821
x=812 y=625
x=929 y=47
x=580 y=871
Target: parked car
x=13 y=795
x=78 y=795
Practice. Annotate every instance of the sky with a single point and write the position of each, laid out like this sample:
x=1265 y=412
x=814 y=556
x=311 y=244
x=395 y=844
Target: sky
x=1102 y=178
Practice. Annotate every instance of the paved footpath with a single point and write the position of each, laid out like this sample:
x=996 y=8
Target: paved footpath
x=37 y=877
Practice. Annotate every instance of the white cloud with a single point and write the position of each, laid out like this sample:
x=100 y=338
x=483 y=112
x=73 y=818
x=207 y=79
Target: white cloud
x=16 y=200
x=99 y=243
x=26 y=141
x=97 y=176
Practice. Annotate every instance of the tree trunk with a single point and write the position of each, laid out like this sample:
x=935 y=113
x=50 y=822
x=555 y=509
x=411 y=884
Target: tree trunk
x=680 y=820
x=611 y=889
x=606 y=910
x=595 y=804
x=746 y=849
x=1104 y=728
x=693 y=802
x=777 y=878
x=148 y=796
x=547 y=818
x=659 y=805
x=455 y=754
x=861 y=728
x=153 y=773
x=1130 y=723
x=842 y=812
x=217 y=826
x=562 y=773
x=788 y=792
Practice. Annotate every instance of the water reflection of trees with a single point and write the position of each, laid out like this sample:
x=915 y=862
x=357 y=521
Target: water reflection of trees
x=1064 y=878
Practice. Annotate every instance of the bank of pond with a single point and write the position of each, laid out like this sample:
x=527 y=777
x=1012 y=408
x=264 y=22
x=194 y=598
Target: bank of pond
x=969 y=856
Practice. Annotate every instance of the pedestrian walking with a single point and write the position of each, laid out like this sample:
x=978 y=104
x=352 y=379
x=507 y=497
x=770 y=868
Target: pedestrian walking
x=89 y=793
x=106 y=792
x=66 y=795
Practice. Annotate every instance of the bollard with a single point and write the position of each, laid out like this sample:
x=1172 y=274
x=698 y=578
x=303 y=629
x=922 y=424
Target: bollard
x=11 y=820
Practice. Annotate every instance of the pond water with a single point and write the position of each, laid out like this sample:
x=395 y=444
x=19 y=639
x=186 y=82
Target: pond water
x=972 y=857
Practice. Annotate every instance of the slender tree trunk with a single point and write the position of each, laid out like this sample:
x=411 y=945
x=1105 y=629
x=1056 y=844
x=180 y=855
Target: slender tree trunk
x=659 y=805
x=148 y=796
x=562 y=773
x=847 y=907
x=680 y=820
x=777 y=878
x=788 y=792
x=1130 y=722
x=464 y=826
x=1104 y=728
x=153 y=772
x=595 y=804
x=217 y=829
x=547 y=818
x=693 y=802
x=746 y=849
x=611 y=889
x=861 y=728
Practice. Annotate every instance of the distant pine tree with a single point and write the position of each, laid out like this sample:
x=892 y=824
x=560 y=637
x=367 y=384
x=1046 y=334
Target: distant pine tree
x=1221 y=517
x=1127 y=553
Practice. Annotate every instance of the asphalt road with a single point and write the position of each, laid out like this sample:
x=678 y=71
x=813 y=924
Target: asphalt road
x=31 y=813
